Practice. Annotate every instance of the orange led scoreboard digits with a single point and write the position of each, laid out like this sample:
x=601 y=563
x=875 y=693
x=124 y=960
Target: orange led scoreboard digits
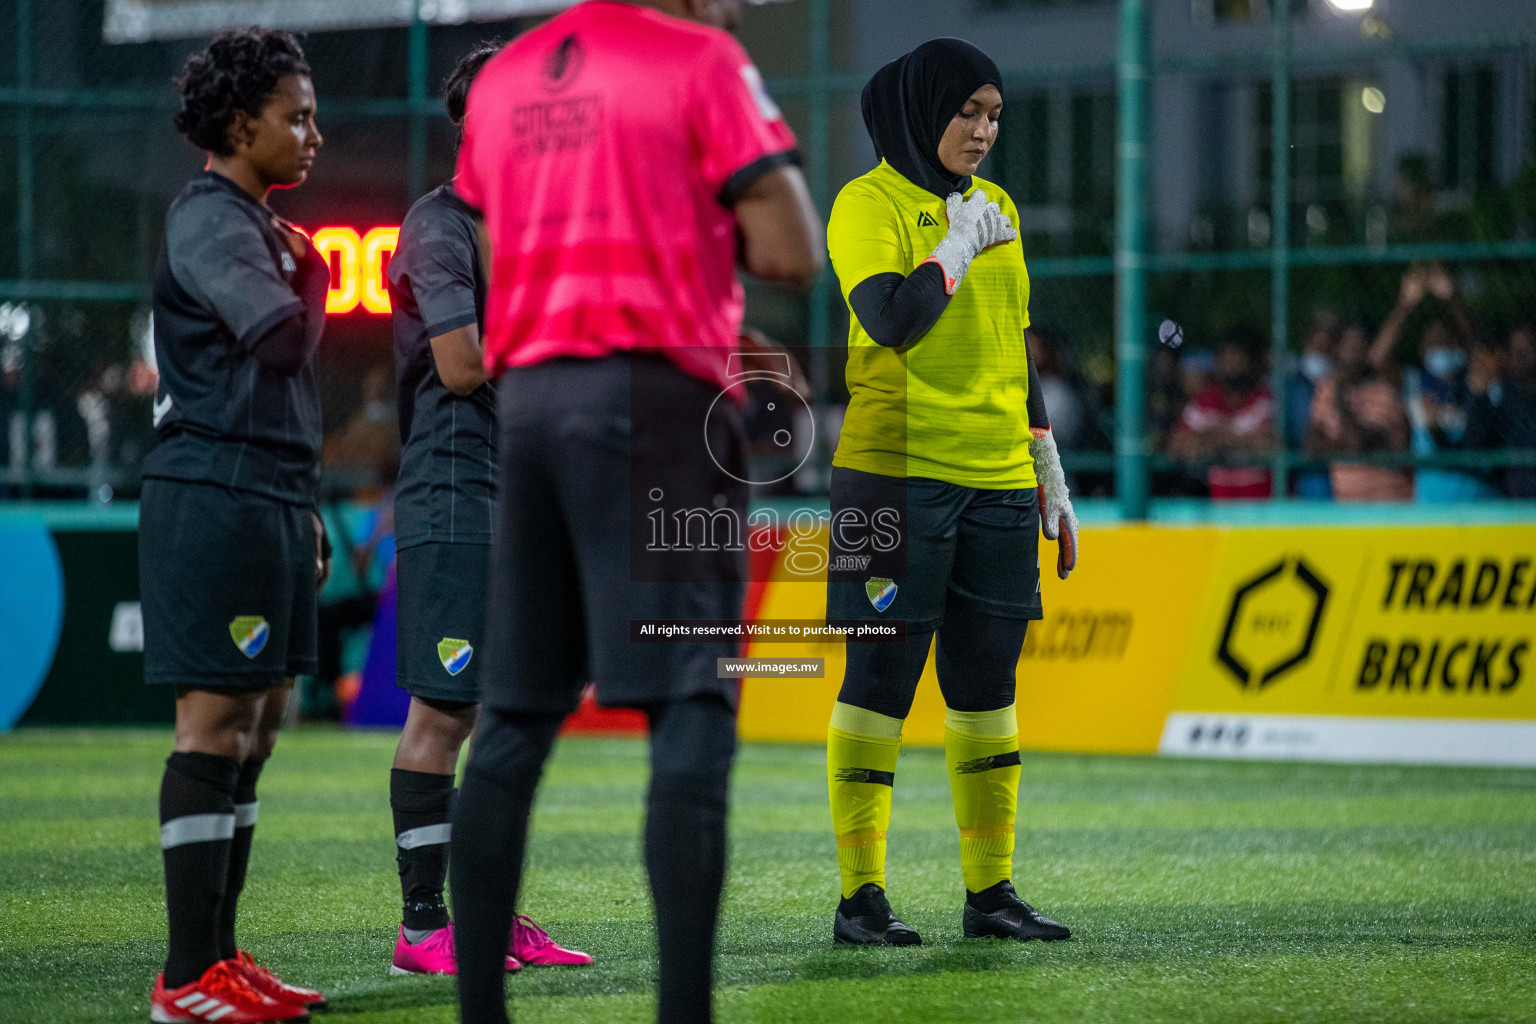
x=358 y=264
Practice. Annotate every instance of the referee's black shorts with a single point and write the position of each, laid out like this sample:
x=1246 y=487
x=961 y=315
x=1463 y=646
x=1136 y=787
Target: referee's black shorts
x=600 y=461
x=226 y=586
x=919 y=550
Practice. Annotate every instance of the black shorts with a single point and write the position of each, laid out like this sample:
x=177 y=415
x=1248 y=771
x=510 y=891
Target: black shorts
x=593 y=455
x=908 y=548
x=226 y=585
x=440 y=606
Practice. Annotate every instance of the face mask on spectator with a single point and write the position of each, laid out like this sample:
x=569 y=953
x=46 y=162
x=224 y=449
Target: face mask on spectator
x=1315 y=366
x=1444 y=362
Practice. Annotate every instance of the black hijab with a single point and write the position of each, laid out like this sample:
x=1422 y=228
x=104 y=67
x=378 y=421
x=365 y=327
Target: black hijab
x=909 y=102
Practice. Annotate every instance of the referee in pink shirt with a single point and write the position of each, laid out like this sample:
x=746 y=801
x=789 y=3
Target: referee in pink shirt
x=626 y=159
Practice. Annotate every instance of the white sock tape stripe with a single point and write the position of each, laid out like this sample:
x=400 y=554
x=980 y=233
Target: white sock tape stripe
x=427 y=835
x=196 y=828
x=245 y=814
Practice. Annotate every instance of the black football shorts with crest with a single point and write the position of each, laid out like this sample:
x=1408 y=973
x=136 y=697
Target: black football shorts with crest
x=915 y=550
x=441 y=592
x=226 y=585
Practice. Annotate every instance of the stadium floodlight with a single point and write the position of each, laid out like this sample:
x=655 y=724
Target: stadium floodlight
x=1351 y=6
x=136 y=21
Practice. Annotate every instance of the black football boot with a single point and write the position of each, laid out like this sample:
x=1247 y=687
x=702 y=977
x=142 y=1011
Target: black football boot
x=998 y=911
x=865 y=919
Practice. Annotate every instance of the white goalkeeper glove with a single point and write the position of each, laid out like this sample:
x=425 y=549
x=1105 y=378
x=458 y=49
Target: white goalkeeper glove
x=1057 y=520
x=974 y=225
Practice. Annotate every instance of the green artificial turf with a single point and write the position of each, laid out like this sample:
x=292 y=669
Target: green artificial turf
x=1196 y=891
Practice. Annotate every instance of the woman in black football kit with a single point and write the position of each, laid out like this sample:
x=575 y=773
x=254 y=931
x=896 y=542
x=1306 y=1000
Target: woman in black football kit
x=230 y=545
x=443 y=510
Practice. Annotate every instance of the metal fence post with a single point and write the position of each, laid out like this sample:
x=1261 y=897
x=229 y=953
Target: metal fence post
x=26 y=225
x=419 y=94
x=1280 y=233
x=819 y=172
x=1131 y=463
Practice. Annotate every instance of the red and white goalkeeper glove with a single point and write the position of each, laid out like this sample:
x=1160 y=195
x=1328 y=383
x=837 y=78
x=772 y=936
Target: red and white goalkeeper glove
x=1057 y=520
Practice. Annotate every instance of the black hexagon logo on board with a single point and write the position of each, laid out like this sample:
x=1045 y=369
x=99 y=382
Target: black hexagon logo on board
x=1272 y=623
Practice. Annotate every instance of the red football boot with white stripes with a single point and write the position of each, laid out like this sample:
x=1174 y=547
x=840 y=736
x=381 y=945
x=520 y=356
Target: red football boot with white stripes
x=275 y=988
x=223 y=995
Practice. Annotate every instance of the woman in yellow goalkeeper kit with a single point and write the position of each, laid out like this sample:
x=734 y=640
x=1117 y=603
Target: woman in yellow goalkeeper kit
x=937 y=484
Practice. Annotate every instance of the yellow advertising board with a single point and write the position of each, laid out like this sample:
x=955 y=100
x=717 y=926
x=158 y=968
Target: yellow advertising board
x=1387 y=643
x=1098 y=673
x=1397 y=644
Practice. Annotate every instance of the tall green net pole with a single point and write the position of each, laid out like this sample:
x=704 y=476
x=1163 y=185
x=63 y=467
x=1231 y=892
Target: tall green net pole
x=1131 y=469
x=419 y=95
x=26 y=223
x=1280 y=231
x=818 y=172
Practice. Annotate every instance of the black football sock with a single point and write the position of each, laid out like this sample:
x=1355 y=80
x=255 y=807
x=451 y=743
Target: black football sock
x=246 y=806
x=685 y=859
x=197 y=826
x=692 y=744
x=422 y=804
x=490 y=834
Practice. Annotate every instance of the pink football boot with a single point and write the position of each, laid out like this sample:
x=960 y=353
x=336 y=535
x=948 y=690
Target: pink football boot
x=433 y=955
x=532 y=945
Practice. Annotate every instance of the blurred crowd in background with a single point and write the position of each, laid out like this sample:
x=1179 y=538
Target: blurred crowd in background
x=1399 y=383
x=1363 y=399
x=1413 y=137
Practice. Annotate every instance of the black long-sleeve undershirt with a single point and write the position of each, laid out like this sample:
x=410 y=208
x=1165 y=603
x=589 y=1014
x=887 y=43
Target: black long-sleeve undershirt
x=896 y=311
x=1035 y=403
x=290 y=342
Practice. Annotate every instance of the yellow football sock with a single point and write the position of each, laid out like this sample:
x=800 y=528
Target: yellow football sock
x=861 y=767
x=982 y=750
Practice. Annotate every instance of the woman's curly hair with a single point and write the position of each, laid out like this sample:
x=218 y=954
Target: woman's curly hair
x=237 y=70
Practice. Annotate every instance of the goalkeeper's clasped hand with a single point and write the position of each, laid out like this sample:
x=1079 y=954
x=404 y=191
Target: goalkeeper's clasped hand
x=1057 y=520
x=975 y=224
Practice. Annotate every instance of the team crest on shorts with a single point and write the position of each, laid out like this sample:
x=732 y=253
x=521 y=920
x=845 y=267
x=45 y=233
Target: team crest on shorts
x=250 y=633
x=454 y=654
x=881 y=592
